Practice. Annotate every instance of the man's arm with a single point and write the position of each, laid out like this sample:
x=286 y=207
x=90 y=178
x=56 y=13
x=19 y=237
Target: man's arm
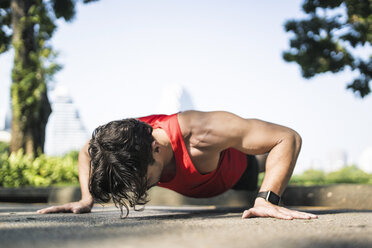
x=280 y=163
x=86 y=203
x=220 y=130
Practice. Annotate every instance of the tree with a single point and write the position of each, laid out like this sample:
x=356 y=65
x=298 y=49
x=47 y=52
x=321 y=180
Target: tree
x=28 y=26
x=329 y=38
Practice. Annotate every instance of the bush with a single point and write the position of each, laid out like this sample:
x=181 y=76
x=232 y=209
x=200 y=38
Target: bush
x=309 y=177
x=4 y=147
x=349 y=174
x=19 y=169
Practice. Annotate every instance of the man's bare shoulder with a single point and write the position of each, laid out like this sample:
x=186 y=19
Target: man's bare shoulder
x=190 y=116
x=208 y=129
x=188 y=120
x=195 y=121
x=199 y=119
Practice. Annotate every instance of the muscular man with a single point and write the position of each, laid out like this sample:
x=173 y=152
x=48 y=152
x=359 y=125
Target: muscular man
x=198 y=154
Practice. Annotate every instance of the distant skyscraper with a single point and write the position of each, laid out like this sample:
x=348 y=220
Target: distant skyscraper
x=2 y=119
x=174 y=98
x=8 y=120
x=336 y=159
x=65 y=130
x=365 y=160
x=5 y=124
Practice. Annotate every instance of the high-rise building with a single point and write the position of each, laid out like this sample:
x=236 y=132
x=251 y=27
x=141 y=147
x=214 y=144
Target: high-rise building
x=365 y=160
x=65 y=130
x=174 y=98
x=5 y=124
x=336 y=159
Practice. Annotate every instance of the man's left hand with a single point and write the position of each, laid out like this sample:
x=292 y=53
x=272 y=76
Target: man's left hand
x=263 y=208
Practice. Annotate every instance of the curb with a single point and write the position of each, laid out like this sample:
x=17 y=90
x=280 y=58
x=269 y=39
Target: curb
x=40 y=194
x=25 y=195
x=354 y=196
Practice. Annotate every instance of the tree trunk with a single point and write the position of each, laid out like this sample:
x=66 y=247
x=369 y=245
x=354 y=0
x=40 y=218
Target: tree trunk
x=30 y=104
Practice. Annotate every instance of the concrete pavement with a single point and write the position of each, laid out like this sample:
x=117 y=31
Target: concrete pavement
x=186 y=226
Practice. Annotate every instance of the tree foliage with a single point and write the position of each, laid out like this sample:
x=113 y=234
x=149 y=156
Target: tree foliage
x=43 y=14
x=328 y=40
x=28 y=26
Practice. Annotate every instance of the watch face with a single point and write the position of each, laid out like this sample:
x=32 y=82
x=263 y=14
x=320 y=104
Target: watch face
x=273 y=198
x=270 y=197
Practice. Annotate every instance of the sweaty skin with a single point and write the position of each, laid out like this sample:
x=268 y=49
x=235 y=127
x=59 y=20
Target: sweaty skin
x=206 y=134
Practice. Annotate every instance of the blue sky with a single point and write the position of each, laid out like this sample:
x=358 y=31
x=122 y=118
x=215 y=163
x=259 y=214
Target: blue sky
x=119 y=55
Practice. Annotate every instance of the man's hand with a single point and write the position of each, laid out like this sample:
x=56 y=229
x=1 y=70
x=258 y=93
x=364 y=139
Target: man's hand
x=72 y=207
x=262 y=208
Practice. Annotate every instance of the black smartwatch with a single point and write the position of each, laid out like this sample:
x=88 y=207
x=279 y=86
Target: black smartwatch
x=269 y=196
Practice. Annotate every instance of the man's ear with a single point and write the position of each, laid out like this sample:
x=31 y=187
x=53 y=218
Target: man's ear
x=155 y=146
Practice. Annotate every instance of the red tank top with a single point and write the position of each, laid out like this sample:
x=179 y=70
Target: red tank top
x=188 y=181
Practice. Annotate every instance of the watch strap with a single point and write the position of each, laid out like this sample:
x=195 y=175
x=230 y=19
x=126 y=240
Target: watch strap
x=270 y=197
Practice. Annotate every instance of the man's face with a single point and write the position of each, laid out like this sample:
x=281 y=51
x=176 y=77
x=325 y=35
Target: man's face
x=153 y=174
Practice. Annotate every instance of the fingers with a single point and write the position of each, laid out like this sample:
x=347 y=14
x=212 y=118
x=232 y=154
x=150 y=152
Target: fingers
x=76 y=211
x=277 y=212
x=253 y=212
x=80 y=210
x=73 y=207
x=247 y=214
x=297 y=214
x=54 y=209
x=282 y=215
x=49 y=210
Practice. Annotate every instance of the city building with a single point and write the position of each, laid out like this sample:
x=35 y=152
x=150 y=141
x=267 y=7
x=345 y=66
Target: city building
x=5 y=124
x=65 y=130
x=174 y=98
x=365 y=160
x=335 y=160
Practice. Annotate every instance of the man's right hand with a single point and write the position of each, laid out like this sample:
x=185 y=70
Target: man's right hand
x=72 y=207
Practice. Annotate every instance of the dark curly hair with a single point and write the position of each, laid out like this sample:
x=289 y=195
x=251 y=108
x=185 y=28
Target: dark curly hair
x=120 y=153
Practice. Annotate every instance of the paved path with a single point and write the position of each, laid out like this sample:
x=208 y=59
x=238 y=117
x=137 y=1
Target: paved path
x=185 y=226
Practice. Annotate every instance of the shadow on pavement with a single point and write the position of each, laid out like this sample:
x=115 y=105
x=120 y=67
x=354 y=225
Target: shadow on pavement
x=333 y=211
x=188 y=214
x=227 y=210
x=331 y=244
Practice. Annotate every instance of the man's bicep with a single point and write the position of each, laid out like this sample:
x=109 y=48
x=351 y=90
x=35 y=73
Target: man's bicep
x=259 y=137
x=251 y=136
x=221 y=130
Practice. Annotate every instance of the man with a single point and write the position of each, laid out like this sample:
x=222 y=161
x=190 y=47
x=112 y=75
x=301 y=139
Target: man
x=198 y=154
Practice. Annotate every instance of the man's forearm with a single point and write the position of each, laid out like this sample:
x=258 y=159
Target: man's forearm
x=279 y=167
x=280 y=164
x=84 y=168
x=86 y=203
